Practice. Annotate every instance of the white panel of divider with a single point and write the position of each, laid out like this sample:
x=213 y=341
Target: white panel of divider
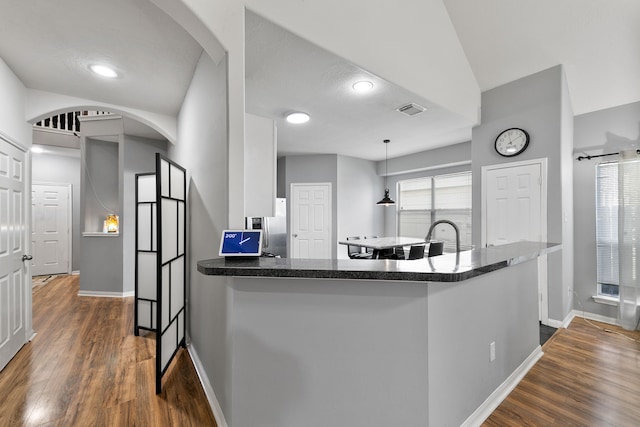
x=146 y=257
x=171 y=214
x=169 y=229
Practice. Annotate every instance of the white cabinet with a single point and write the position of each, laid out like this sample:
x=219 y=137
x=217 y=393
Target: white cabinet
x=260 y=154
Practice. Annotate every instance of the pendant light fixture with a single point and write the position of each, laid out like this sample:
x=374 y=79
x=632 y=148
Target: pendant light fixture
x=386 y=200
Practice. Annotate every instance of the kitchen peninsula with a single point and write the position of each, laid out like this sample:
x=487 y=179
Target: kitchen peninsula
x=428 y=342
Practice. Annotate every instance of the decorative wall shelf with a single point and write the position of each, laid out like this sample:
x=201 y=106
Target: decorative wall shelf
x=98 y=234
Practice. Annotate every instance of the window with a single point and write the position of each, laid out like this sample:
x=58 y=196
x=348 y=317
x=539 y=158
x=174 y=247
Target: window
x=607 y=229
x=423 y=201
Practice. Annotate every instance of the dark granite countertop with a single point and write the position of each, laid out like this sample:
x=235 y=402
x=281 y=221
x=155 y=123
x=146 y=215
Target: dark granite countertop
x=444 y=268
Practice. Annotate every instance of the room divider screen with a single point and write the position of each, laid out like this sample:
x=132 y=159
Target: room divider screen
x=171 y=265
x=160 y=275
x=146 y=303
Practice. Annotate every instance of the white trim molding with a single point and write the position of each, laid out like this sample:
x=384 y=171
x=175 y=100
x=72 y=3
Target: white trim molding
x=601 y=299
x=499 y=394
x=207 y=387
x=102 y=294
x=596 y=317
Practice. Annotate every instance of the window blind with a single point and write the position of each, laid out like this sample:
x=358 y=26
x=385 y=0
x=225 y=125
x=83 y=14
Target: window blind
x=425 y=200
x=607 y=272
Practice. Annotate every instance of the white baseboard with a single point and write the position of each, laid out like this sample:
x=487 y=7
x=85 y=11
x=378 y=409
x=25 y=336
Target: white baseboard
x=596 y=317
x=555 y=323
x=75 y=273
x=561 y=323
x=499 y=394
x=102 y=294
x=208 y=388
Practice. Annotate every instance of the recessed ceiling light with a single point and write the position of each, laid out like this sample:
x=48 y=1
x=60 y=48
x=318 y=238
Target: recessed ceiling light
x=37 y=150
x=362 y=86
x=297 y=118
x=103 y=71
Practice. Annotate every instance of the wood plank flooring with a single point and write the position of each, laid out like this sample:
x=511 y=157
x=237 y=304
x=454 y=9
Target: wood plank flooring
x=587 y=377
x=86 y=368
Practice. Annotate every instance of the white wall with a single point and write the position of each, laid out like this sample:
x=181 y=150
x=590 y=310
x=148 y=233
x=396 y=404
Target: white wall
x=12 y=121
x=202 y=150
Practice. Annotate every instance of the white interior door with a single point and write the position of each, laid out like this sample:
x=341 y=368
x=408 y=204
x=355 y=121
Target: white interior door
x=311 y=220
x=514 y=209
x=14 y=278
x=50 y=229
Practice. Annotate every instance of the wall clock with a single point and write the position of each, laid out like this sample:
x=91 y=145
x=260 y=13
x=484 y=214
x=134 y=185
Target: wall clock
x=511 y=142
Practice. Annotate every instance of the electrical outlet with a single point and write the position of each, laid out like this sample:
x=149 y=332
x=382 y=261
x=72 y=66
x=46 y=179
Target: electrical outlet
x=492 y=351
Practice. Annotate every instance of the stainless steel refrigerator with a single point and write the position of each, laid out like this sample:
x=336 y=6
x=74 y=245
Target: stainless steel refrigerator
x=274 y=230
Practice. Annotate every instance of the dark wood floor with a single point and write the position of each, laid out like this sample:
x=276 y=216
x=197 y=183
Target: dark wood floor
x=86 y=368
x=587 y=377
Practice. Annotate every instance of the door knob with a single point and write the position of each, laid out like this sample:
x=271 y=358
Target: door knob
x=295 y=235
x=27 y=257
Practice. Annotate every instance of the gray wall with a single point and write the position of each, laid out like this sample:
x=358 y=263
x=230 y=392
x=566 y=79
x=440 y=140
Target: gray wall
x=62 y=168
x=461 y=376
x=359 y=188
x=100 y=257
x=599 y=132
x=202 y=150
x=356 y=187
x=535 y=103
x=437 y=158
x=310 y=169
x=439 y=161
x=139 y=157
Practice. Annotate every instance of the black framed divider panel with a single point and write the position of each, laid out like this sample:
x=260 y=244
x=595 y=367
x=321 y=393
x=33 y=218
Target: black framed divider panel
x=171 y=274
x=146 y=304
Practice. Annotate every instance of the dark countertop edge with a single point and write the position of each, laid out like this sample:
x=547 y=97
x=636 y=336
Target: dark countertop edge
x=351 y=274
x=504 y=256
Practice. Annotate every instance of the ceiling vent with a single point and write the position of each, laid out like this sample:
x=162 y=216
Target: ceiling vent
x=411 y=109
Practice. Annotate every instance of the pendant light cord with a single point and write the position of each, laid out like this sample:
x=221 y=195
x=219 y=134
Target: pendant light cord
x=386 y=163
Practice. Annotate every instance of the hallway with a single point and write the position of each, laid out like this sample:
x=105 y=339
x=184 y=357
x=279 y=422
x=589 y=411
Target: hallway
x=86 y=368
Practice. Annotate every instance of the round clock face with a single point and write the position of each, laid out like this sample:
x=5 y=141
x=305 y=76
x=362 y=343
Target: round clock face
x=512 y=142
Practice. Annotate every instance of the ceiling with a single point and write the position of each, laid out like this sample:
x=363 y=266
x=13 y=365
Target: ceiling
x=285 y=73
x=49 y=46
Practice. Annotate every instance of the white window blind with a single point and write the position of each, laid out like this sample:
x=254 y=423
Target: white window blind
x=607 y=228
x=425 y=200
